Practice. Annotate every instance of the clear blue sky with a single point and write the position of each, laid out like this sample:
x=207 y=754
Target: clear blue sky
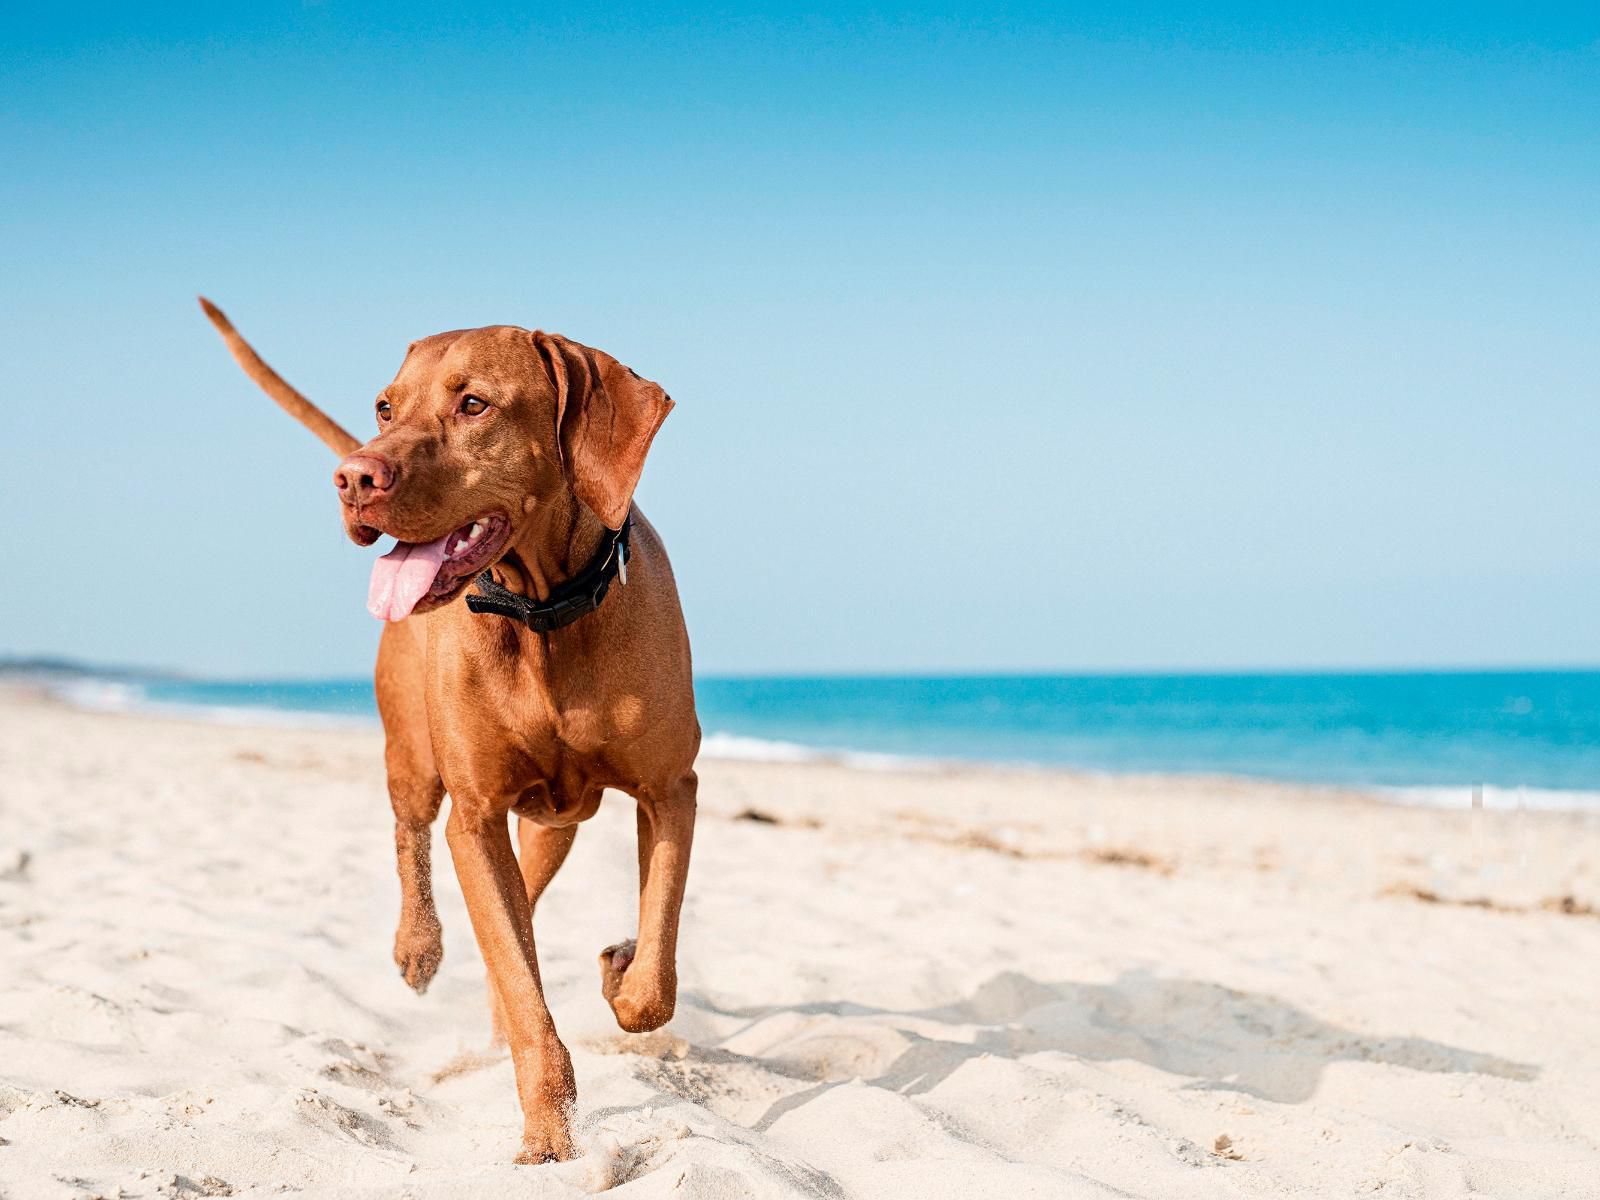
x=1120 y=337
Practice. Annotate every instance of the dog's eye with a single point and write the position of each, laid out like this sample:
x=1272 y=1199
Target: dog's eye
x=471 y=406
x=385 y=413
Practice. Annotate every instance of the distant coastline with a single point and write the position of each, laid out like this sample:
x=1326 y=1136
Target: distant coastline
x=1515 y=738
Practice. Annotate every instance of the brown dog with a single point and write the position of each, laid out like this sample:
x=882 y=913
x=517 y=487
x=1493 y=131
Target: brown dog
x=518 y=452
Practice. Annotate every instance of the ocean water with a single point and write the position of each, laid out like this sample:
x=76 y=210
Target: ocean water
x=1525 y=737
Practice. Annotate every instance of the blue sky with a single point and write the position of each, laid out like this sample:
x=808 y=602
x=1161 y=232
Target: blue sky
x=1095 y=338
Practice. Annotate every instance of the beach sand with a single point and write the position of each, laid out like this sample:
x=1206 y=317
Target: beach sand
x=894 y=983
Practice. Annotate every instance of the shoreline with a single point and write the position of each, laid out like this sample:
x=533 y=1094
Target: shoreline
x=106 y=695
x=1169 y=795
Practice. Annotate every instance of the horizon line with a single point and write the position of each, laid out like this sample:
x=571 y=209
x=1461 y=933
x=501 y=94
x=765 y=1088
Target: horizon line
x=13 y=664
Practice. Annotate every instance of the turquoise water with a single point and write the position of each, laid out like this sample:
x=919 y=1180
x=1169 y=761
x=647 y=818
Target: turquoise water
x=1538 y=730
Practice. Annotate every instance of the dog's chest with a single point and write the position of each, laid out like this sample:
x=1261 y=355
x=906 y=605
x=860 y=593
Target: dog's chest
x=564 y=766
x=547 y=740
x=580 y=731
x=577 y=728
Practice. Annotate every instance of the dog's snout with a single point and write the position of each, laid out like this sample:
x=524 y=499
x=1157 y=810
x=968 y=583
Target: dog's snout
x=362 y=478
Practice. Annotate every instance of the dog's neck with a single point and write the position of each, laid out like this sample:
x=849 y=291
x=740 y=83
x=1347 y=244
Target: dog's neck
x=556 y=542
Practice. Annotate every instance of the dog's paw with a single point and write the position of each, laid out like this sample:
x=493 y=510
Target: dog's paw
x=548 y=1105
x=614 y=963
x=542 y=1150
x=640 y=1001
x=418 y=957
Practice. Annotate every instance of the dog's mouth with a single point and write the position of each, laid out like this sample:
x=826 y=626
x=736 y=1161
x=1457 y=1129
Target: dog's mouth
x=424 y=575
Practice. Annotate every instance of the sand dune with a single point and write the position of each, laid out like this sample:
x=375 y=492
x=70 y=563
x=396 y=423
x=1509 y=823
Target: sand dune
x=916 y=983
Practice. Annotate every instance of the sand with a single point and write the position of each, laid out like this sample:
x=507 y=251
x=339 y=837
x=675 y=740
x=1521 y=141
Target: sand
x=895 y=983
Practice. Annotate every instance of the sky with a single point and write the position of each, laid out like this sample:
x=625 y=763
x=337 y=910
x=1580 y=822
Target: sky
x=1080 y=338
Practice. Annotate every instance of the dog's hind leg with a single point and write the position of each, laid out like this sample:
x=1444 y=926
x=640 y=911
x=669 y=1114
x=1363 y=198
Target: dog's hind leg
x=415 y=793
x=541 y=850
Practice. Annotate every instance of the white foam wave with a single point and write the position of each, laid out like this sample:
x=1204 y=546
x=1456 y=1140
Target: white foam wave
x=740 y=748
x=117 y=696
x=100 y=695
x=1496 y=799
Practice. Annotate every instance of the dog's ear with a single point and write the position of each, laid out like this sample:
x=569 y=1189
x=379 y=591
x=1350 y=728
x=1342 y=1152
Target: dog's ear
x=606 y=418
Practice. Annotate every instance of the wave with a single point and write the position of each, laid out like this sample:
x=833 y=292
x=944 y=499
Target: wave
x=119 y=696
x=194 y=703
x=1493 y=799
x=742 y=748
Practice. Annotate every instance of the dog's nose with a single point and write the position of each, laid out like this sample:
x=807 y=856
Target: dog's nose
x=362 y=478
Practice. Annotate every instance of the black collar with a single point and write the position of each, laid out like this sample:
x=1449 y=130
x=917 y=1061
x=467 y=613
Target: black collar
x=578 y=597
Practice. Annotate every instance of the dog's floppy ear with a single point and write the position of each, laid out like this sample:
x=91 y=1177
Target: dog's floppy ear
x=606 y=418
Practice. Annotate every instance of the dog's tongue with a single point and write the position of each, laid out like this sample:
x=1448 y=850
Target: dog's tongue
x=402 y=577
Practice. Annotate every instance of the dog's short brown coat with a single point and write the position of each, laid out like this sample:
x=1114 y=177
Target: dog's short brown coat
x=511 y=721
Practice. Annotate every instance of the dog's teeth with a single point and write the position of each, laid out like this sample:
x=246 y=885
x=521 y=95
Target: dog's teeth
x=474 y=532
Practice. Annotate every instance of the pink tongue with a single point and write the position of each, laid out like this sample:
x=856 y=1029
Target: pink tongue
x=402 y=577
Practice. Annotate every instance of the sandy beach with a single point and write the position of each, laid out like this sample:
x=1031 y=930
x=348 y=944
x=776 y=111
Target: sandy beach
x=894 y=983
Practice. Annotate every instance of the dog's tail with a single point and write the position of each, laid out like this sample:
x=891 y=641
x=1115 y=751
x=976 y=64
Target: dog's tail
x=330 y=432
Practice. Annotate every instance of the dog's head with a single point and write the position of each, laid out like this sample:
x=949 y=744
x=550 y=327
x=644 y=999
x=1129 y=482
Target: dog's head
x=480 y=430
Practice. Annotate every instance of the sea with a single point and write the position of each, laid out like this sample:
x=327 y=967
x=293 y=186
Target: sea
x=1502 y=739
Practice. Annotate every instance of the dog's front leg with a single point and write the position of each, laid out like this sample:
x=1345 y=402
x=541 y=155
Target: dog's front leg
x=540 y=852
x=480 y=844
x=640 y=980
x=415 y=793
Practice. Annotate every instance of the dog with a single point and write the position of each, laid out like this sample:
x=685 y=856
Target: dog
x=510 y=457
